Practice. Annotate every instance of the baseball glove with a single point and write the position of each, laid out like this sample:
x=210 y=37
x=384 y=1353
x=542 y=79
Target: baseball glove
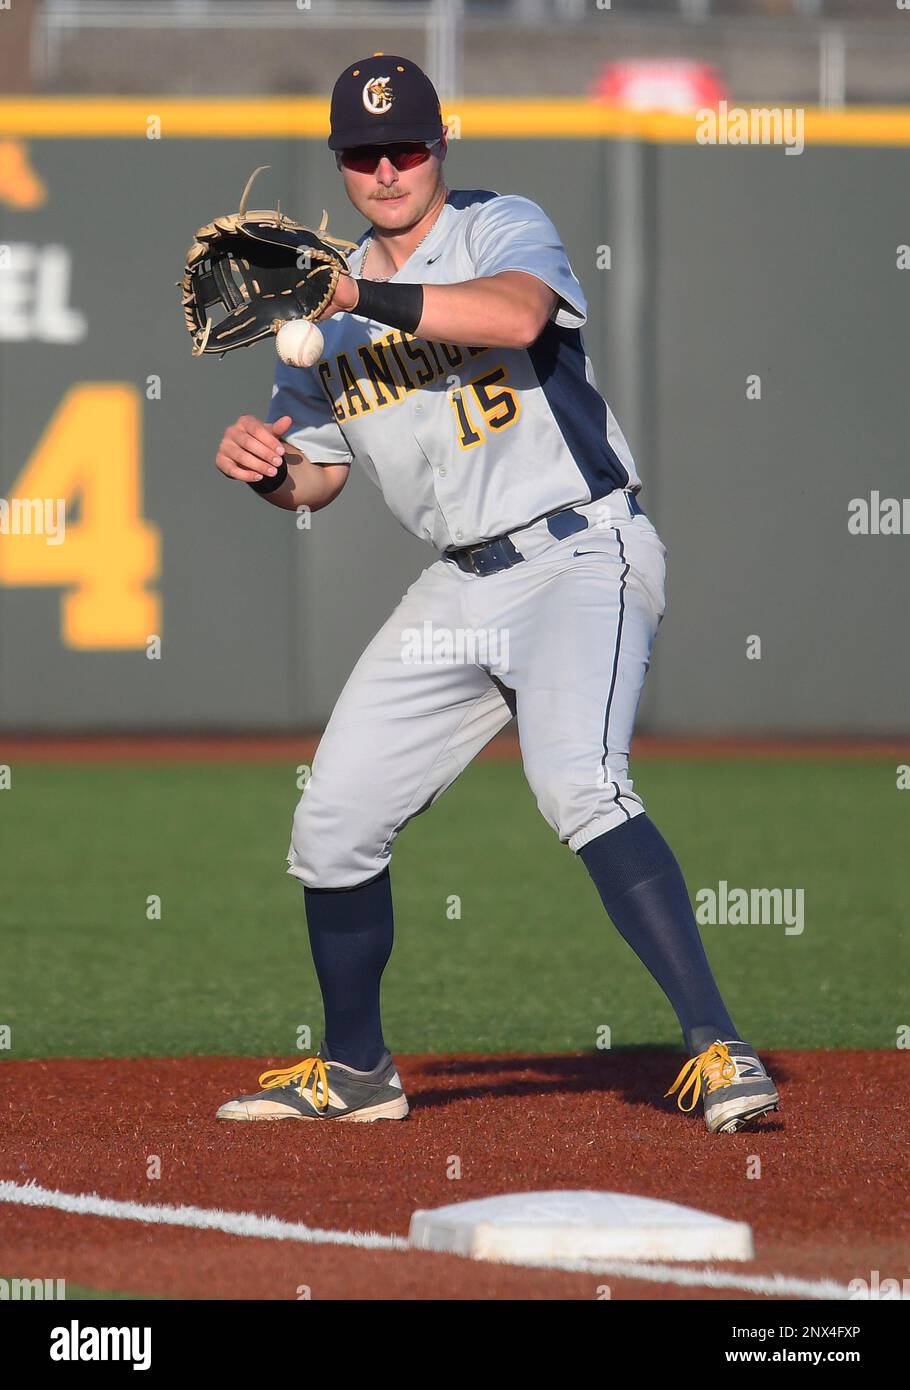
x=262 y=269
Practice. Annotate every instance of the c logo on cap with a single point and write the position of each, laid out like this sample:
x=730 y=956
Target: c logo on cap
x=378 y=96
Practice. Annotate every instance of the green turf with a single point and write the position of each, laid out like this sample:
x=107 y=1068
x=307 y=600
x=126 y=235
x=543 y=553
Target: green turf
x=78 y=1293
x=532 y=963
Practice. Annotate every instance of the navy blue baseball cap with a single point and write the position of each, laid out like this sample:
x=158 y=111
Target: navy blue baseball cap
x=382 y=99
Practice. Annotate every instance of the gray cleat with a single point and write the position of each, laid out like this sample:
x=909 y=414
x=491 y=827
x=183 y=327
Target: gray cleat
x=316 y=1088
x=733 y=1084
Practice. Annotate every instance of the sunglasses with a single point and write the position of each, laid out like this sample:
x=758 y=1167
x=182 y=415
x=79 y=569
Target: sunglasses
x=364 y=159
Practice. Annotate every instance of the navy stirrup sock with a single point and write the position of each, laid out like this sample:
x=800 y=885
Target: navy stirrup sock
x=645 y=894
x=351 y=932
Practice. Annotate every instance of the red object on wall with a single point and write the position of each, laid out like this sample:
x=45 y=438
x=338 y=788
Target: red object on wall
x=660 y=84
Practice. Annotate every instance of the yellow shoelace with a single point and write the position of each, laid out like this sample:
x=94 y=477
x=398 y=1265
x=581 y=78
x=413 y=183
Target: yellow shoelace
x=719 y=1070
x=310 y=1069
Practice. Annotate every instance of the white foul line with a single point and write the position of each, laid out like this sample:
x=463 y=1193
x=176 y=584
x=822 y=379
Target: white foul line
x=232 y=1223
x=710 y=1276
x=271 y=1228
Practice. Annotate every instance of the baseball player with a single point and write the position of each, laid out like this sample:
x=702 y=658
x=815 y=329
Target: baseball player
x=454 y=373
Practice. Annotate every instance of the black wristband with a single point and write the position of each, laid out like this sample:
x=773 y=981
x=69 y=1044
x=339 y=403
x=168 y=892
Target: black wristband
x=400 y=306
x=266 y=485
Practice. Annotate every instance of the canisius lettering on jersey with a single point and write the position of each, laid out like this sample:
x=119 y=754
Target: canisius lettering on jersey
x=389 y=368
x=394 y=366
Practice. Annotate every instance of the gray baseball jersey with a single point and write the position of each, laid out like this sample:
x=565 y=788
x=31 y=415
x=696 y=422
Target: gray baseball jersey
x=465 y=443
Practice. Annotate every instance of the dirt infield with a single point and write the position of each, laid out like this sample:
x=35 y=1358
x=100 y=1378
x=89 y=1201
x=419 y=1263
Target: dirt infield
x=247 y=748
x=823 y=1205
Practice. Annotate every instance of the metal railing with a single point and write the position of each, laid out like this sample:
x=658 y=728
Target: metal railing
x=831 y=51
x=439 y=21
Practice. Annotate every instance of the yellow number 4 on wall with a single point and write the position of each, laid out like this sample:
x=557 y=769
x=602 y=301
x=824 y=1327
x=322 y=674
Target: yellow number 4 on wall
x=87 y=466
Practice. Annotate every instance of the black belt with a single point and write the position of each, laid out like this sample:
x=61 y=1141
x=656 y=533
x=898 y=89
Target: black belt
x=489 y=557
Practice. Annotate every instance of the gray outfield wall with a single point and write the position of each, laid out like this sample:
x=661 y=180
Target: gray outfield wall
x=725 y=264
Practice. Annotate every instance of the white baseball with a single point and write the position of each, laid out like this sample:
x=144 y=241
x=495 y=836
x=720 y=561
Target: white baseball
x=299 y=343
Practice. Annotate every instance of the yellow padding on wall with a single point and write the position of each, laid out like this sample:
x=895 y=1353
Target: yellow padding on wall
x=478 y=119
